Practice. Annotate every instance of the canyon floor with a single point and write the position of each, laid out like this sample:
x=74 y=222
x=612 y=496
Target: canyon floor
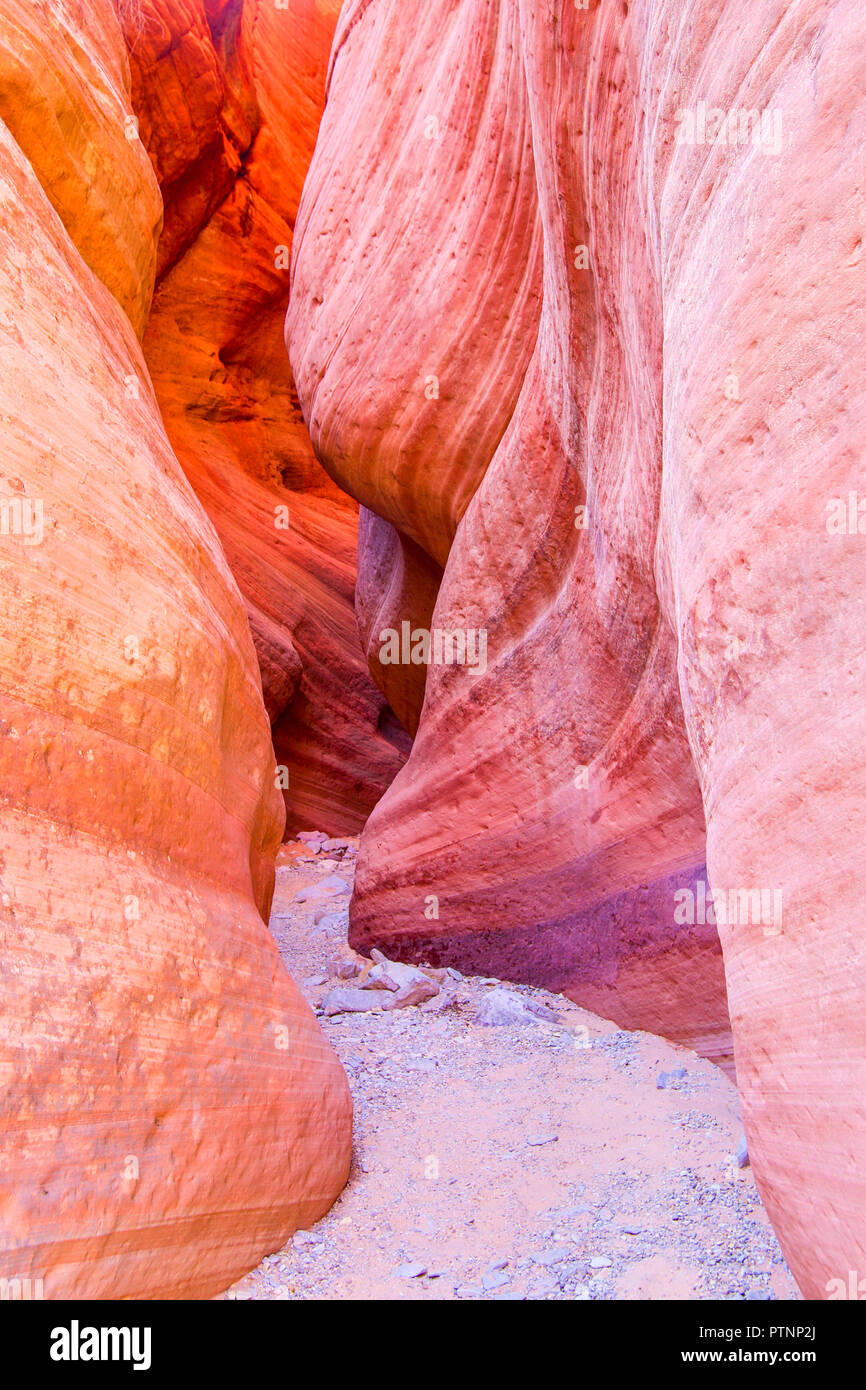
x=556 y=1156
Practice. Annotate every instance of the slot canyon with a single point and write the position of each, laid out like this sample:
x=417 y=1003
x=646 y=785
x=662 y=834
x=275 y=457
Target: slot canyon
x=431 y=490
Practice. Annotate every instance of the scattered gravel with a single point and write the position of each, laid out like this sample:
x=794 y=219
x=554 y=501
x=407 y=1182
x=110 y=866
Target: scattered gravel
x=508 y=1144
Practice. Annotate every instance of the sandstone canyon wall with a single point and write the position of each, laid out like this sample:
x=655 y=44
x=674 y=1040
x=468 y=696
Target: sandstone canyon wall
x=170 y=1108
x=624 y=457
x=228 y=97
x=532 y=873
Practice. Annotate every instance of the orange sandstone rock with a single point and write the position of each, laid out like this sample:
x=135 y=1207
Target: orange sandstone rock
x=64 y=96
x=170 y=1109
x=397 y=585
x=229 y=100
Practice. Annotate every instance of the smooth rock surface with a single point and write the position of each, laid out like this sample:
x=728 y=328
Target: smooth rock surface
x=170 y=1109
x=229 y=99
x=407 y=391
x=550 y=809
x=674 y=659
x=65 y=98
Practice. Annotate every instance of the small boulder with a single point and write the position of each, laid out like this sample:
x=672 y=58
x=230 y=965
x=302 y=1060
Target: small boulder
x=396 y=972
x=331 y=916
x=502 y=1007
x=415 y=993
x=379 y=982
x=554 y=1256
x=330 y=887
x=445 y=999
x=350 y=1001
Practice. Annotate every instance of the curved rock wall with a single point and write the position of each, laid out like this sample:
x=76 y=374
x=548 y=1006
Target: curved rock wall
x=397 y=584
x=170 y=1108
x=647 y=551
x=64 y=96
x=416 y=288
x=557 y=780
x=229 y=98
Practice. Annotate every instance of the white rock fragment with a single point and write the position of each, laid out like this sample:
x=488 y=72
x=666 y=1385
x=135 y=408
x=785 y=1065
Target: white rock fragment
x=330 y=887
x=351 y=1001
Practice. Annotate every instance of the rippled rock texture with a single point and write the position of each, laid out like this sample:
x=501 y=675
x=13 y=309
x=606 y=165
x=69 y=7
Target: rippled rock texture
x=574 y=314
x=170 y=1109
x=228 y=98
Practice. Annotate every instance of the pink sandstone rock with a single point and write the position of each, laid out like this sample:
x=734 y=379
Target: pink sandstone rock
x=687 y=650
x=416 y=285
x=171 y=1110
x=397 y=584
x=532 y=873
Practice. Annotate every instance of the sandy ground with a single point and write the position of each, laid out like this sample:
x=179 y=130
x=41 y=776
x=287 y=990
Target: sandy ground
x=533 y=1159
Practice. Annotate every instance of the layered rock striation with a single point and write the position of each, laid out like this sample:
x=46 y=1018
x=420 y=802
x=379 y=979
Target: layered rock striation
x=657 y=760
x=170 y=1109
x=228 y=99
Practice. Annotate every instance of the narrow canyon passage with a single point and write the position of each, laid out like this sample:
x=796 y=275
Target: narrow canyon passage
x=431 y=677
x=508 y=1144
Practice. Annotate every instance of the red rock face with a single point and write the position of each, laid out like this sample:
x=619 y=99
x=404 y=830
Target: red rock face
x=397 y=583
x=673 y=653
x=414 y=310
x=171 y=1110
x=229 y=98
x=551 y=808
